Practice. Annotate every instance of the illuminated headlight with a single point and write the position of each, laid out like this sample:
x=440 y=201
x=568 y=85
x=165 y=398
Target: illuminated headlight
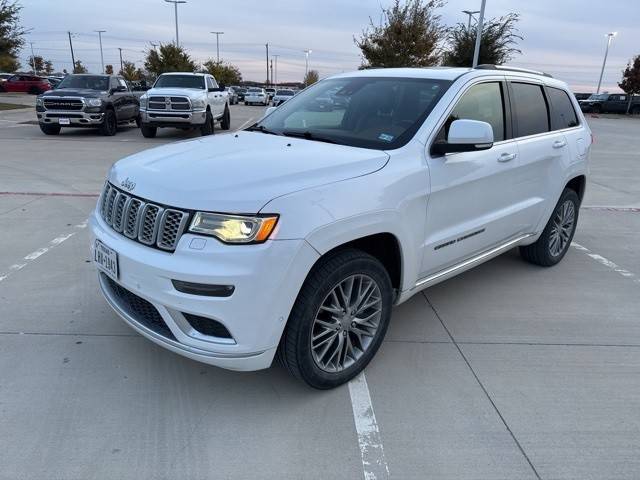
x=94 y=102
x=234 y=228
x=39 y=102
x=143 y=101
x=198 y=103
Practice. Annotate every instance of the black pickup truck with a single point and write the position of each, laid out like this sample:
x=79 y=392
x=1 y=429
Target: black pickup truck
x=610 y=103
x=86 y=100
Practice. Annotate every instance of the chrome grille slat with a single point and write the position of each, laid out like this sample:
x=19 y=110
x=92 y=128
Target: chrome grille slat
x=142 y=221
x=170 y=103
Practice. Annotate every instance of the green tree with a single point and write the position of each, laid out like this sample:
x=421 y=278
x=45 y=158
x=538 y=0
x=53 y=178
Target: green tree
x=630 y=82
x=498 y=43
x=108 y=69
x=128 y=71
x=312 y=77
x=78 y=67
x=48 y=67
x=11 y=35
x=223 y=72
x=408 y=36
x=168 y=58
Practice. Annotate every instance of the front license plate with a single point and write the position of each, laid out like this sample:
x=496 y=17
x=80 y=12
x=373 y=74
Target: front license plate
x=106 y=259
x=64 y=121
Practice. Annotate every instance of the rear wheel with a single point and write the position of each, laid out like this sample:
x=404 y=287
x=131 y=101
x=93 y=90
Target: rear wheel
x=338 y=321
x=635 y=110
x=50 y=129
x=147 y=131
x=225 y=124
x=596 y=109
x=556 y=237
x=109 y=125
x=34 y=91
x=207 y=128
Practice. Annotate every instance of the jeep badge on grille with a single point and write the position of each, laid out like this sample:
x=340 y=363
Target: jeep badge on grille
x=128 y=184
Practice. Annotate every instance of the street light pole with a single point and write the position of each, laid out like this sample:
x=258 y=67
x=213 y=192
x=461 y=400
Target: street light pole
x=476 y=51
x=217 y=34
x=175 y=5
x=100 y=32
x=610 y=36
x=121 y=66
x=33 y=60
x=276 y=79
x=471 y=13
x=73 y=58
x=306 y=62
x=267 y=45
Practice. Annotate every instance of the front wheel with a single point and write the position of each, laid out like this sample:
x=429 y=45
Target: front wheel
x=635 y=110
x=338 y=320
x=148 y=132
x=225 y=124
x=207 y=128
x=109 y=125
x=50 y=129
x=556 y=237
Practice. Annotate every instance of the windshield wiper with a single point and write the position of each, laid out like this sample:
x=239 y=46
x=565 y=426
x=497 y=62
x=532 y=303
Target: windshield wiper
x=307 y=135
x=262 y=129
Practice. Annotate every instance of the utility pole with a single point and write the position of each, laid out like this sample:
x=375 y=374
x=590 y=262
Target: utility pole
x=217 y=34
x=267 y=45
x=73 y=58
x=610 y=36
x=276 y=78
x=476 y=51
x=33 y=60
x=306 y=62
x=471 y=13
x=175 y=5
x=272 y=71
x=100 y=32
x=121 y=66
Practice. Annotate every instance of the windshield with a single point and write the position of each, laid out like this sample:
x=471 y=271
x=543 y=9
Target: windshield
x=180 y=81
x=371 y=112
x=286 y=93
x=596 y=96
x=254 y=90
x=88 y=82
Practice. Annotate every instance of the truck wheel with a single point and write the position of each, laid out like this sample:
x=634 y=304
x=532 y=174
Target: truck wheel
x=635 y=110
x=556 y=238
x=138 y=121
x=207 y=128
x=50 y=129
x=338 y=320
x=225 y=124
x=596 y=109
x=109 y=125
x=148 y=132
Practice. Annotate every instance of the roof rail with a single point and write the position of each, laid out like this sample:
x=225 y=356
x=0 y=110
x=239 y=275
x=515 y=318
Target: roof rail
x=489 y=66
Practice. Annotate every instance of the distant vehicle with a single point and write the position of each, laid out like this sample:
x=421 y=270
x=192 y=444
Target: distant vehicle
x=270 y=92
x=281 y=96
x=54 y=81
x=233 y=96
x=184 y=100
x=85 y=100
x=24 y=83
x=611 y=103
x=256 y=96
x=240 y=91
x=5 y=76
x=582 y=96
x=139 y=86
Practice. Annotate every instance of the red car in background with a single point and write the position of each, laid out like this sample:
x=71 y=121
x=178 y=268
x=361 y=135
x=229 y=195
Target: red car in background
x=25 y=84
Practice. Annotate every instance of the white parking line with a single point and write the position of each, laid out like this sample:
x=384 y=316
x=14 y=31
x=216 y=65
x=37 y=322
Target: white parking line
x=374 y=462
x=245 y=124
x=607 y=263
x=41 y=251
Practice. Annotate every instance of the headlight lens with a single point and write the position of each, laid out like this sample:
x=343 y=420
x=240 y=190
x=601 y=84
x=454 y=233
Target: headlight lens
x=197 y=103
x=94 y=102
x=234 y=228
x=39 y=102
x=143 y=101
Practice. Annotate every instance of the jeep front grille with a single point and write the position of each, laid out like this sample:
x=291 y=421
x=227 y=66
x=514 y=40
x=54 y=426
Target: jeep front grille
x=148 y=223
x=169 y=103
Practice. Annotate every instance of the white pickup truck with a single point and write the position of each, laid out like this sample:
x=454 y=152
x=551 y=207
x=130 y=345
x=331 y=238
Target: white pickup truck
x=184 y=100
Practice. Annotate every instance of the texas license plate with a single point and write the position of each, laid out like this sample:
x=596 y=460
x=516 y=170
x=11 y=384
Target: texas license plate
x=106 y=259
x=64 y=121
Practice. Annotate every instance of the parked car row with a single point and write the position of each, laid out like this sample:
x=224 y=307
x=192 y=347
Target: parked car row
x=25 y=83
x=177 y=100
x=611 y=103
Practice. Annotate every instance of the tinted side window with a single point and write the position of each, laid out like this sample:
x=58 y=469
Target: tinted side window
x=113 y=82
x=532 y=115
x=481 y=102
x=123 y=83
x=563 y=116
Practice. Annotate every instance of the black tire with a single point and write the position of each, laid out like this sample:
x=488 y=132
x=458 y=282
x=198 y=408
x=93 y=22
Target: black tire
x=147 y=131
x=596 y=109
x=225 y=123
x=635 y=110
x=109 y=125
x=541 y=253
x=50 y=129
x=34 y=91
x=138 y=121
x=247 y=103
x=294 y=351
x=1 y=88
x=208 y=127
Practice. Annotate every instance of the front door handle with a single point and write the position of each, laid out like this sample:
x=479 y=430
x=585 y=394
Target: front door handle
x=559 y=143
x=506 y=157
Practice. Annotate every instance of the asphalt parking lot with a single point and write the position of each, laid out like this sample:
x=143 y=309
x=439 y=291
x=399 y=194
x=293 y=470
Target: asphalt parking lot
x=509 y=371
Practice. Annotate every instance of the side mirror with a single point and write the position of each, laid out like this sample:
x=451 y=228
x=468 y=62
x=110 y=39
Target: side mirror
x=118 y=89
x=465 y=136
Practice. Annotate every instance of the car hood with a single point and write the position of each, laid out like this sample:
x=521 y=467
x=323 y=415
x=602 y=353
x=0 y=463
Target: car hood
x=74 y=92
x=239 y=173
x=188 y=92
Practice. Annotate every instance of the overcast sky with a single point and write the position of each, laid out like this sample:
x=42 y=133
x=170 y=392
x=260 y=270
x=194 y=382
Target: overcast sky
x=563 y=37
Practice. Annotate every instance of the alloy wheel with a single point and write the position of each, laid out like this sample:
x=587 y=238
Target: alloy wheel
x=562 y=228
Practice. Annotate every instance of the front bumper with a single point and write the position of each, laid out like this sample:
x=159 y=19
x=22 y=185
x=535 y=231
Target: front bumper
x=266 y=277
x=76 y=118
x=160 y=118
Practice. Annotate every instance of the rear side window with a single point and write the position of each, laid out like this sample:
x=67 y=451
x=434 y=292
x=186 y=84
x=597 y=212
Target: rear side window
x=531 y=113
x=563 y=115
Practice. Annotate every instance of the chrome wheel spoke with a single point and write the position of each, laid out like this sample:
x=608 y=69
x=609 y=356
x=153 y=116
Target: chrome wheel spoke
x=562 y=229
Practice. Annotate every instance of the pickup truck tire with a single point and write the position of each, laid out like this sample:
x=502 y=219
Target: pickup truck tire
x=556 y=238
x=208 y=127
x=596 y=109
x=354 y=338
x=109 y=125
x=148 y=132
x=225 y=123
x=635 y=110
x=50 y=129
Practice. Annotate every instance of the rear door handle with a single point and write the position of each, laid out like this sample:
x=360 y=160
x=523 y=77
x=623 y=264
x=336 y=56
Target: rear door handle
x=506 y=157
x=559 y=143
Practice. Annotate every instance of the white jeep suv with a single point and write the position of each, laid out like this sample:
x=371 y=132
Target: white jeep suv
x=296 y=237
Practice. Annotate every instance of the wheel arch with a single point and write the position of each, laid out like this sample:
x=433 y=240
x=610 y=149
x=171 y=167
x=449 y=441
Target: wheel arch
x=578 y=185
